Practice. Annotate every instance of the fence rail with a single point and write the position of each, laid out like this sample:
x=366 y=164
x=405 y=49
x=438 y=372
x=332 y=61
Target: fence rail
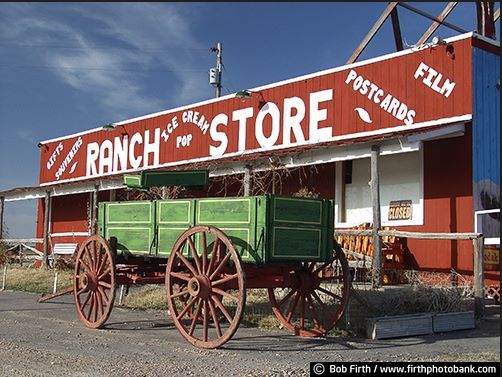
x=478 y=254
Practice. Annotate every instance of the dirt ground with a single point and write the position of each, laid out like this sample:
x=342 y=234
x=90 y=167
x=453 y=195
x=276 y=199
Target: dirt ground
x=48 y=340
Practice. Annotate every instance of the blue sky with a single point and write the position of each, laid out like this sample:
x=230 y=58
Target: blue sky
x=68 y=67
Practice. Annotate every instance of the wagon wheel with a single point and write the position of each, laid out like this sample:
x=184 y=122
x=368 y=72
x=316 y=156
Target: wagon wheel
x=205 y=294
x=317 y=298
x=94 y=282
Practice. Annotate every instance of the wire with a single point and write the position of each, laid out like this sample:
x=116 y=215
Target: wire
x=98 y=69
x=32 y=45
x=230 y=81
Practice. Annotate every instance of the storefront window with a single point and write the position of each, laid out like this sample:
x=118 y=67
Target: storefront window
x=401 y=190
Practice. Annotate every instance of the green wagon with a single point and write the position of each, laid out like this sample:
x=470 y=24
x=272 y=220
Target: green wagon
x=208 y=252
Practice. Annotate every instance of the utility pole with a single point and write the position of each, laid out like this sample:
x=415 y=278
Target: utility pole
x=215 y=74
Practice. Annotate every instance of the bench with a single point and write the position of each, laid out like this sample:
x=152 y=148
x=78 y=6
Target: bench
x=62 y=249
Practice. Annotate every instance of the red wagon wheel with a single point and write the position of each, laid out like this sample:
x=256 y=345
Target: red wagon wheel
x=94 y=282
x=206 y=294
x=317 y=298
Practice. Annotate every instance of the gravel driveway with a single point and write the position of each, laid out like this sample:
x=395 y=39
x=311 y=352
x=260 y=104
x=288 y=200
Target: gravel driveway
x=48 y=340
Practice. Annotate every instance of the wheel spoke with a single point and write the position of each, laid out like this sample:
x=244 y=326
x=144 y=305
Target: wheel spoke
x=179 y=294
x=90 y=253
x=185 y=309
x=195 y=317
x=225 y=294
x=215 y=318
x=97 y=257
x=205 y=321
x=102 y=264
x=86 y=300
x=91 y=305
x=312 y=312
x=106 y=299
x=105 y=272
x=105 y=284
x=323 y=305
x=225 y=279
x=220 y=266
x=321 y=268
x=186 y=262
x=302 y=312
x=181 y=276
x=222 y=308
x=204 y=252
x=86 y=266
x=96 y=305
x=215 y=254
x=330 y=279
x=334 y=295
x=195 y=255
x=292 y=307
x=285 y=298
x=85 y=289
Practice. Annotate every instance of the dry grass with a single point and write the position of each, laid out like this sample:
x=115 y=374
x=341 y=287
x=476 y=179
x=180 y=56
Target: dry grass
x=36 y=280
x=146 y=297
x=3 y=254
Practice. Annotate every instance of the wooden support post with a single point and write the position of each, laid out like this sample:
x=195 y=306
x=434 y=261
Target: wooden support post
x=47 y=219
x=94 y=211
x=398 y=38
x=54 y=288
x=4 y=277
x=113 y=195
x=479 y=278
x=375 y=203
x=486 y=18
x=367 y=39
x=247 y=180
x=446 y=11
x=121 y=294
x=2 y=201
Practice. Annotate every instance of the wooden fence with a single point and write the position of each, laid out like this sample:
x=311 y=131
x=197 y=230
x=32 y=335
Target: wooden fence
x=478 y=254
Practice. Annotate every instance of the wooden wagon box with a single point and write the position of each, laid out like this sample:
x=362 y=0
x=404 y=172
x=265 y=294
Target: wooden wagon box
x=263 y=229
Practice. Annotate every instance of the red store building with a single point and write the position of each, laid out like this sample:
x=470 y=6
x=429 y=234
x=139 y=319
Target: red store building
x=433 y=111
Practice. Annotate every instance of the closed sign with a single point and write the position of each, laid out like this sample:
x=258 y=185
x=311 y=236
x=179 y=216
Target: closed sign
x=400 y=210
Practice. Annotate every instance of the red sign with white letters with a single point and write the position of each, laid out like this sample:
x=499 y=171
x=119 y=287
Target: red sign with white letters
x=409 y=90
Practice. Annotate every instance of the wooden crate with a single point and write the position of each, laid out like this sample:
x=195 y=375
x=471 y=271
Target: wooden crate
x=443 y=322
x=399 y=326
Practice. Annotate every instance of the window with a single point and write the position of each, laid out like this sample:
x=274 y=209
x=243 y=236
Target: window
x=401 y=179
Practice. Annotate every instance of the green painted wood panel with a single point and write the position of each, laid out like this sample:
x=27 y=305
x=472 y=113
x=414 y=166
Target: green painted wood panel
x=132 y=223
x=173 y=218
x=297 y=210
x=225 y=210
x=237 y=217
x=299 y=229
x=294 y=243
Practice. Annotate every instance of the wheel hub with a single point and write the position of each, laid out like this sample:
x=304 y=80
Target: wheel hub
x=306 y=282
x=90 y=281
x=199 y=286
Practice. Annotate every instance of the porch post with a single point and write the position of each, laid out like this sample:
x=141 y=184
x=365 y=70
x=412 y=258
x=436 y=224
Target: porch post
x=375 y=203
x=47 y=211
x=2 y=200
x=248 y=184
x=94 y=219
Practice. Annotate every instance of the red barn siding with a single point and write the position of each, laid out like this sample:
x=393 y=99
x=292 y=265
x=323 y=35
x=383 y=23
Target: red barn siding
x=447 y=205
